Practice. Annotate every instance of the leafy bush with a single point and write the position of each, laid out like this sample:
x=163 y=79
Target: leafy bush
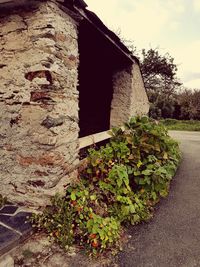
x=122 y=182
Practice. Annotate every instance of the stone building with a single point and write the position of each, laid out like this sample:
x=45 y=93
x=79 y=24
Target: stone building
x=63 y=75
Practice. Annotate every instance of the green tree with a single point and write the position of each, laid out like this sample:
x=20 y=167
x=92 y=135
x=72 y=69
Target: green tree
x=159 y=72
x=160 y=79
x=189 y=102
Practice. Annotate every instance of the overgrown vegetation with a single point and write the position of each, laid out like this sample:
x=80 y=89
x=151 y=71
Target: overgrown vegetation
x=182 y=125
x=122 y=182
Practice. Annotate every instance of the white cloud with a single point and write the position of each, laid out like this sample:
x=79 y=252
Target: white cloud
x=106 y=10
x=147 y=23
x=194 y=84
x=188 y=57
x=196 y=5
x=188 y=60
x=175 y=6
x=174 y=25
x=139 y=19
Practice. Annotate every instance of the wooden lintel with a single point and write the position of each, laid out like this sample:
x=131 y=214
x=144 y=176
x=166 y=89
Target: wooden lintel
x=93 y=139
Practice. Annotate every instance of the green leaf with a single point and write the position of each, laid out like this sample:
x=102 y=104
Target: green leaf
x=165 y=155
x=147 y=172
x=137 y=173
x=154 y=196
x=73 y=196
x=125 y=210
x=89 y=171
x=141 y=181
x=139 y=164
x=93 y=197
x=132 y=209
x=119 y=182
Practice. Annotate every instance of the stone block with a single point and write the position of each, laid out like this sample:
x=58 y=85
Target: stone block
x=53 y=122
x=6 y=261
x=8 y=239
x=18 y=222
x=8 y=209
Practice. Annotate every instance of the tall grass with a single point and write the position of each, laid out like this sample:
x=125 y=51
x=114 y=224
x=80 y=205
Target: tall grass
x=182 y=125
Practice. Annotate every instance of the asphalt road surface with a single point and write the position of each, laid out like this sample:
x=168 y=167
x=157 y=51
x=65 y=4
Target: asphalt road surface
x=172 y=237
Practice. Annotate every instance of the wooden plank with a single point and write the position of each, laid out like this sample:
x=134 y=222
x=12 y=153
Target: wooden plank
x=5 y=1
x=93 y=139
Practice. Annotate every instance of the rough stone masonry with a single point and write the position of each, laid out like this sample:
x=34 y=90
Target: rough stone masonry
x=39 y=122
x=38 y=101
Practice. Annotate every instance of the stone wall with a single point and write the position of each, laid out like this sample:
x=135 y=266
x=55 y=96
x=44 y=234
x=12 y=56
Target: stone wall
x=129 y=97
x=120 y=106
x=38 y=102
x=139 y=100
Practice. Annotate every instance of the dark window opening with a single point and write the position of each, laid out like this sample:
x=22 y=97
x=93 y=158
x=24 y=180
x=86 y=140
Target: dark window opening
x=99 y=59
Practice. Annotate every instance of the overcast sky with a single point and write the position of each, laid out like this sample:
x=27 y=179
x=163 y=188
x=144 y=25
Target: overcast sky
x=171 y=25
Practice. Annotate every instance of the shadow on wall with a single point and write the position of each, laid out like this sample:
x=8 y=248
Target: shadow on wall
x=99 y=61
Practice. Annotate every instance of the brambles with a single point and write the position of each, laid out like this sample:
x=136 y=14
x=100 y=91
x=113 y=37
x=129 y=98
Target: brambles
x=121 y=183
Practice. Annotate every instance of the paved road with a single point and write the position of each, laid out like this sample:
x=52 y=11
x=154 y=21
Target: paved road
x=172 y=238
